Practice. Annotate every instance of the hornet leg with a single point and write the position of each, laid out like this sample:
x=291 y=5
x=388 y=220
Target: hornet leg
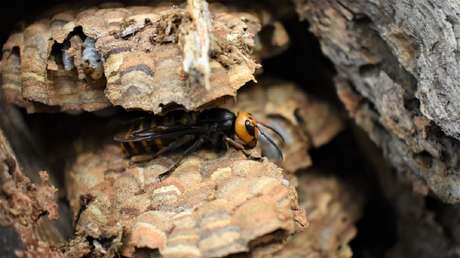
x=171 y=147
x=241 y=148
x=195 y=146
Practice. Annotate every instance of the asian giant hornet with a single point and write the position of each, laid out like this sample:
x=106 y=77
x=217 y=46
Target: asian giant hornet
x=189 y=131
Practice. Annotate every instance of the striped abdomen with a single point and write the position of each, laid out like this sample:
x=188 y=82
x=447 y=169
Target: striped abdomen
x=142 y=147
x=172 y=120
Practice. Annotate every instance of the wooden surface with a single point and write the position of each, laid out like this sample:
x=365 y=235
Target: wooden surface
x=399 y=77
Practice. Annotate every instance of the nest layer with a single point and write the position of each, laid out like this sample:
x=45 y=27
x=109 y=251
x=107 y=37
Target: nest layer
x=206 y=208
x=333 y=209
x=142 y=57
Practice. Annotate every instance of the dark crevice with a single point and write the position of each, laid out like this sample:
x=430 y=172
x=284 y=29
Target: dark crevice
x=107 y=244
x=434 y=205
x=370 y=70
x=424 y=158
x=307 y=66
x=85 y=200
x=16 y=52
x=61 y=134
x=412 y=103
x=277 y=236
x=362 y=19
x=147 y=252
x=303 y=62
x=9 y=242
x=11 y=165
x=377 y=226
x=57 y=48
x=19 y=12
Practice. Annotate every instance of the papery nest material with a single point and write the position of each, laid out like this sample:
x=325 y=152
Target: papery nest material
x=206 y=208
x=137 y=57
x=333 y=207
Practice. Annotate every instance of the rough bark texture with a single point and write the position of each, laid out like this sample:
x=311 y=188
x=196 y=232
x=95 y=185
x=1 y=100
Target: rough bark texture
x=425 y=227
x=26 y=206
x=398 y=76
x=28 y=197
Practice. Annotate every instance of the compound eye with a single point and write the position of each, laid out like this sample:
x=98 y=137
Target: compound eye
x=250 y=128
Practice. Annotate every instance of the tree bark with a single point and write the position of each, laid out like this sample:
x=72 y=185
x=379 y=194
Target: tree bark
x=398 y=76
x=25 y=205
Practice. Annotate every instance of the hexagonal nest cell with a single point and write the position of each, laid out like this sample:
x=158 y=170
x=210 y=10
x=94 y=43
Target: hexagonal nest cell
x=229 y=129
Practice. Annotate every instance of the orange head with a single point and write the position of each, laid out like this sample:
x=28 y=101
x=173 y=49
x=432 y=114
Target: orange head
x=246 y=129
